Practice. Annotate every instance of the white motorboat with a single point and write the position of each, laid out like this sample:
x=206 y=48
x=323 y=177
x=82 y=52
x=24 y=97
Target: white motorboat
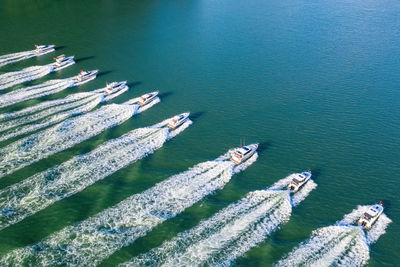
x=178 y=120
x=299 y=180
x=242 y=154
x=85 y=76
x=114 y=87
x=371 y=215
x=147 y=98
x=43 y=49
x=62 y=62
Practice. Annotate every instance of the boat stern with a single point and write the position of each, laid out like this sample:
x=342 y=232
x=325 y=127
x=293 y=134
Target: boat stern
x=293 y=187
x=364 y=223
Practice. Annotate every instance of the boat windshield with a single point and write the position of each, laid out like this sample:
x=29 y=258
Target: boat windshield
x=372 y=212
x=295 y=181
x=248 y=151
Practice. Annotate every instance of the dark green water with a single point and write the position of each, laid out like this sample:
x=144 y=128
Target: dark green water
x=316 y=83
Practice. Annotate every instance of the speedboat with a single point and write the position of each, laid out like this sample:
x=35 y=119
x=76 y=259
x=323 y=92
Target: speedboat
x=299 y=180
x=371 y=215
x=85 y=76
x=178 y=120
x=43 y=49
x=244 y=153
x=62 y=62
x=114 y=87
x=147 y=98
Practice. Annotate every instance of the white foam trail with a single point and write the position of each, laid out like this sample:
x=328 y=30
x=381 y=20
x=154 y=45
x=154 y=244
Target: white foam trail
x=4 y=59
x=62 y=109
x=230 y=233
x=42 y=189
x=227 y=155
x=51 y=112
x=28 y=74
x=338 y=245
x=225 y=236
x=246 y=164
x=30 y=111
x=282 y=183
x=353 y=216
x=15 y=57
x=61 y=136
x=91 y=241
x=300 y=195
x=377 y=229
x=330 y=246
x=35 y=91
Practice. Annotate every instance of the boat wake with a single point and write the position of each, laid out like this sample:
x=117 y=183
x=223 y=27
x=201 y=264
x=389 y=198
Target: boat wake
x=93 y=240
x=225 y=236
x=35 y=91
x=338 y=245
x=46 y=114
x=331 y=246
x=61 y=136
x=15 y=57
x=41 y=190
x=28 y=74
x=228 y=234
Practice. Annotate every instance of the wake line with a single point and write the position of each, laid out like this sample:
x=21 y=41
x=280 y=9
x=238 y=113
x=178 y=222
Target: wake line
x=339 y=245
x=28 y=74
x=15 y=57
x=42 y=110
x=91 y=241
x=218 y=239
x=61 y=136
x=35 y=91
x=332 y=245
x=42 y=189
x=43 y=106
x=229 y=234
x=37 y=117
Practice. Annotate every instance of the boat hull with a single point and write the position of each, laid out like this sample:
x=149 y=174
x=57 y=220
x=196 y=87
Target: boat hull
x=57 y=68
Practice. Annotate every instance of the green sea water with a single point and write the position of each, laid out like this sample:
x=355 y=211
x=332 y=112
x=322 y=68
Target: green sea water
x=316 y=83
